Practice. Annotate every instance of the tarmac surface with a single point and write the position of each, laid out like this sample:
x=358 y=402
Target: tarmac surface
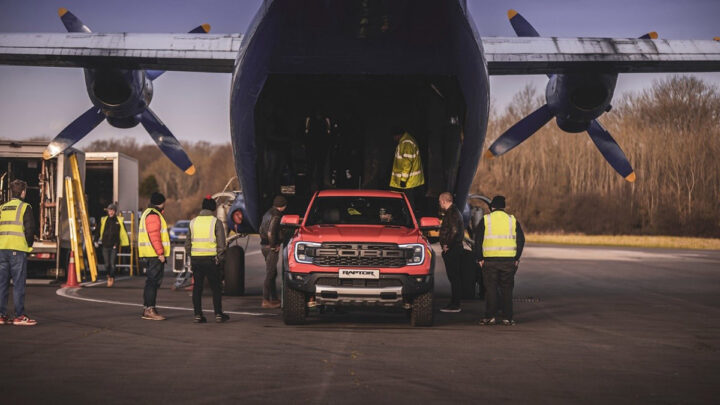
x=595 y=325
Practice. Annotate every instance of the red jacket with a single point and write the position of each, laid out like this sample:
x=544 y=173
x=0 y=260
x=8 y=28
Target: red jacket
x=152 y=225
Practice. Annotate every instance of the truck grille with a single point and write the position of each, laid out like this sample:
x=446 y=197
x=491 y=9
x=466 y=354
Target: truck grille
x=345 y=282
x=359 y=255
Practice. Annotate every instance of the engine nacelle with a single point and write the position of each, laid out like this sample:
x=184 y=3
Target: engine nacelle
x=122 y=94
x=577 y=99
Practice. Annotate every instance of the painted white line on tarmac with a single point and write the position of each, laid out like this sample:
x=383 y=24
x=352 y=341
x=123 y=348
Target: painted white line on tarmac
x=72 y=293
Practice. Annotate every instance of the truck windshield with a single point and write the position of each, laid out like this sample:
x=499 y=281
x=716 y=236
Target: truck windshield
x=359 y=211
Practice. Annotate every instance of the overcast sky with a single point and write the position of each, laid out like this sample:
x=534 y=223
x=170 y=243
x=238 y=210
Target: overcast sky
x=195 y=106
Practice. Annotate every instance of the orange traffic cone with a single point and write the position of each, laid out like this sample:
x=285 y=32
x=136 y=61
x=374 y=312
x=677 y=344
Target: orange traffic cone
x=71 y=278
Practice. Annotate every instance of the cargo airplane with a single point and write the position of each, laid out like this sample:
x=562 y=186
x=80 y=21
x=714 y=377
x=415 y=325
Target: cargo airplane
x=370 y=67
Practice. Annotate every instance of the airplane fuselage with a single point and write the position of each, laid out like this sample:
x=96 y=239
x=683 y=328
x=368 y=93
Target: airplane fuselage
x=370 y=66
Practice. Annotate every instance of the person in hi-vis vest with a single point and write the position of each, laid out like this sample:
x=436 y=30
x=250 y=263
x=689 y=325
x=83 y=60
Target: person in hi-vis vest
x=17 y=229
x=153 y=249
x=407 y=170
x=205 y=244
x=112 y=236
x=499 y=242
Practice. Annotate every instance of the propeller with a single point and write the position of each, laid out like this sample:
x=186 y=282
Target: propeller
x=610 y=150
x=526 y=127
x=74 y=132
x=519 y=132
x=166 y=141
x=85 y=123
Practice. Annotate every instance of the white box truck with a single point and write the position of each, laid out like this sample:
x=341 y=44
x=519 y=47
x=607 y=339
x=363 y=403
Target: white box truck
x=45 y=193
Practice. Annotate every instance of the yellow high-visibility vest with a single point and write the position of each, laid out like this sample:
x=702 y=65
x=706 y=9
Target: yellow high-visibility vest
x=500 y=238
x=124 y=239
x=202 y=232
x=12 y=232
x=145 y=248
x=407 y=166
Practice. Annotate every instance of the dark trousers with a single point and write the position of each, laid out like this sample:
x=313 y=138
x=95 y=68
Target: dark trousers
x=500 y=274
x=154 y=276
x=204 y=266
x=110 y=257
x=13 y=264
x=453 y=266
x=414 y=195
x=271 y=260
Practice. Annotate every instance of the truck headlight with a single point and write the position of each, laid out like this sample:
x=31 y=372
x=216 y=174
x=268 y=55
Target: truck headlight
x=304 y=251
x=415 y=255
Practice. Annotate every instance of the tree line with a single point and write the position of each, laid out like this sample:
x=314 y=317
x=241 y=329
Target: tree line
x=559 y=182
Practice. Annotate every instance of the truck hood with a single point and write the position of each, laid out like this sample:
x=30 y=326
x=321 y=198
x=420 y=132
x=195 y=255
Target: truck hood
x=353 y=233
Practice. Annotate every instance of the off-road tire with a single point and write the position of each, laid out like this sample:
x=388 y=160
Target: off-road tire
x=421 y=313
x=294 y=309
x=234 y=271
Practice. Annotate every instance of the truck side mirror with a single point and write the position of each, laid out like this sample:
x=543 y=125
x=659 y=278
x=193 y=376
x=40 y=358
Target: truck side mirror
x=291 y=221
x=429 y=223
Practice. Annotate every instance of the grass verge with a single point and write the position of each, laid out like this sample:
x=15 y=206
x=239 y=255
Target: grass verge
x=666 y=242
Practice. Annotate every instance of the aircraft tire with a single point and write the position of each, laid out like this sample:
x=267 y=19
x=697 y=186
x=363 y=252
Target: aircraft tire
x=422 y=310
x=235 y=271
x=294 y=308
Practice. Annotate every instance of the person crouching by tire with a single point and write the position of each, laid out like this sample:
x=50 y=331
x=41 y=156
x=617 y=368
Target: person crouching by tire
x=153 y=248
x=206 y=244
x=271 y=238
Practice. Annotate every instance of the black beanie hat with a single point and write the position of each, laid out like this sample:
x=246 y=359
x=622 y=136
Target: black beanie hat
x=157 y=198
x=208 y=203
x=498 y=202
x=279 y=201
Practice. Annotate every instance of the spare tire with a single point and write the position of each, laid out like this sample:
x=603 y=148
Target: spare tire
x=235 y=271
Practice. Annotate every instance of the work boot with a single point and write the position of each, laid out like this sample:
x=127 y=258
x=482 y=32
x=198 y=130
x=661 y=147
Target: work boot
x=110 y=281
x=271 y=304
x=4 y=320
x=199 y=319
x=488 y=321
x=221 y=317
x=152 y=315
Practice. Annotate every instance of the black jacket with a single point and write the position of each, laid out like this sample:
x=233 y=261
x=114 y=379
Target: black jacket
x=111 y=234
x=480 y=236
x=452 y=230
x=270 y=230
x=29 y=225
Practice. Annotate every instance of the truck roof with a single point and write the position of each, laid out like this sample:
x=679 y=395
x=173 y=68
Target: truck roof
x=359 y=193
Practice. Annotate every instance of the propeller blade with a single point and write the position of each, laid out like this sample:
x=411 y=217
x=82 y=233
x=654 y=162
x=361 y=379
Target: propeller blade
x=519 y=132
x=200 y=29
x=521 y=26
x=74 y=132
x=611 y=150
x=166 y=141
x=650 y=35
x=72 y=23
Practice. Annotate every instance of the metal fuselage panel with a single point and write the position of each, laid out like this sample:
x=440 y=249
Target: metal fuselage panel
x=317 y=37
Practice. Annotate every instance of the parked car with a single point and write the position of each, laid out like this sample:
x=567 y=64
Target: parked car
x=179 y=231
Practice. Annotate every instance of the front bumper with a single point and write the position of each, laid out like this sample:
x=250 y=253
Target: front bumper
x=388 y=290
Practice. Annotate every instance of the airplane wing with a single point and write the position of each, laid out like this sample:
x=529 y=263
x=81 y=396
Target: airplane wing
x=179 y=52
x=551 y=55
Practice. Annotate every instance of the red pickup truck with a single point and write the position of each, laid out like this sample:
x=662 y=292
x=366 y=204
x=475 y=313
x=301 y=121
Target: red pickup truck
x=358 y=248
